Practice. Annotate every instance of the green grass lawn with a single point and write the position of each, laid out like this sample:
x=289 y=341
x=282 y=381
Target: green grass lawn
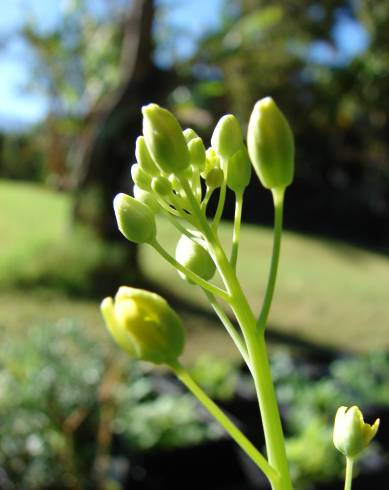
x=327 y=292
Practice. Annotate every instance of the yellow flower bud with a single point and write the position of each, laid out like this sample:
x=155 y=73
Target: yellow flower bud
x=164 y=139
x=195 y=258
x=161 y=185
x=144 y=325
x=147 y=198
x=227 y=137
x=189 y=134
x=135 y=220
x=351 y=433
x=144 y=158
x=238 y=170
x=270 y=145
x=140 y=177
x=197 y=153
x=215 y=178
x=212 y=160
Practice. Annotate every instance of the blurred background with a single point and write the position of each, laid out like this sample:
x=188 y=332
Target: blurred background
x=75 y=413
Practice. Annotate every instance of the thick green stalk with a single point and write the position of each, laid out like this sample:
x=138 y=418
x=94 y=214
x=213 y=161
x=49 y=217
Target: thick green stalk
x=278 y=199
x=349 y=473
x=226 y=423
x=257 y=352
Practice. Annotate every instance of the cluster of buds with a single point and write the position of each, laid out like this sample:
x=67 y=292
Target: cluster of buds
x=170 y=161
x=175 y=176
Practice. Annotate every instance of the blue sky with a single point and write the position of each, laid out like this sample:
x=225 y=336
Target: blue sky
x=18 y=106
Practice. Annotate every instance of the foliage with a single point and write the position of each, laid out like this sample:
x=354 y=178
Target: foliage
x=60 y=391
x=311 y=404
x=218 y=377
x=21 y=157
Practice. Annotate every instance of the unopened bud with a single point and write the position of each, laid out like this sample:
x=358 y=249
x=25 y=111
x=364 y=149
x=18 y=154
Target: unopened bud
x=351 y=433
x=238 y=170
x=197 y=153
x=212 y=160
x=270 y=145
x=144 y=325
x=144 y=158
x=135 y=220
x=147 y=198
x=189 y=134
x=140 y=177
x=215 y=178
x=195 y=258
x=161 y=185
x=164 y=139
x=227 y=137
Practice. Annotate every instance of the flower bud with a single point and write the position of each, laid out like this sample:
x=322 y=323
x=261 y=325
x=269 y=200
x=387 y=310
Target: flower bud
x=212 y=160
x=147 y=198
x=270 y=145
x=227 y=137
x=351 y=433
x=144 y=325
x=197 y=153
x=135 y=220
x=161 y=185
x=164 y=139
x=238 y=170
x=144 y=158
x=195 y=258
x=140 y=177
x=215 y=178
x=189 y=134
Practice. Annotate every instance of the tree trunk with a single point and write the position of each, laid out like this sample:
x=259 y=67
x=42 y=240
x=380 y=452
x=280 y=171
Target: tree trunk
x=109 y=151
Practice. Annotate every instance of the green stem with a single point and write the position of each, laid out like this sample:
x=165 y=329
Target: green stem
x=349 y=473
x=207 y=197
x=236 y=232
x=256 y=349
x=191 y=275
x=178 y=226
x=229 y=327
x=278 y=199
x=220 y=206
x=226 y=423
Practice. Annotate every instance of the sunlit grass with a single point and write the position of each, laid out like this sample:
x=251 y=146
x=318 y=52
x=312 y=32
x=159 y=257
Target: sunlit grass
x=327 y=292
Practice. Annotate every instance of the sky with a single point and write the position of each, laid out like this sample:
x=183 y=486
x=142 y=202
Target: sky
x=19 y=107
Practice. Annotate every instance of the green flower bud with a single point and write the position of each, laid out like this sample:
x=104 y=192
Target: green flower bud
x=147 y=198
x=161 y=185
x=144 y=158
x=176 y=184
x=215 y=178
x=189 y=134
x=238 y=170
x=197 y=153
x=195 y=258
x=144 y=325
x=227 y=137
x=164 y=139
x=135 y=220
x=212 y=160
x=351 y=433
x=270 y=145
x=140 y=177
